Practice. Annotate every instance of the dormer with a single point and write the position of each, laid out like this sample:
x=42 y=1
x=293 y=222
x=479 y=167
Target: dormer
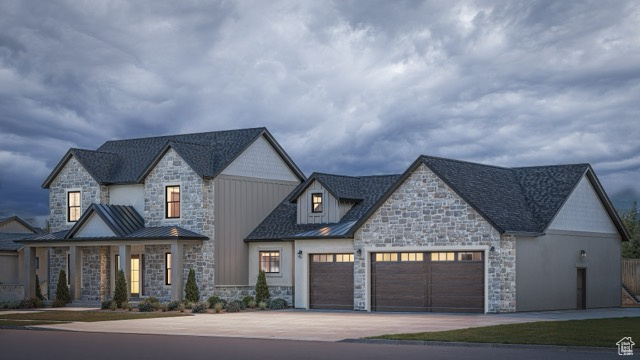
x=325 y=199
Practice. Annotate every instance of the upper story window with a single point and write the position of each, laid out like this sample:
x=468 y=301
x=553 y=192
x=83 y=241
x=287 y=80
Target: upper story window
x=173 y=202
x=73 y=206
x=270 y=261
x=316 y=203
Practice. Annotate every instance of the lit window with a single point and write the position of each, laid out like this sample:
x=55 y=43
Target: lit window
x=270 y=261
x=73 y=206
x=117 y=264
x=167 y=269
x=386 y=257
x=469 y=256
x=442 y=256
x=411 y=257
x=344 y=257
x=316 y=203
x=322 y=258
x=173 y=202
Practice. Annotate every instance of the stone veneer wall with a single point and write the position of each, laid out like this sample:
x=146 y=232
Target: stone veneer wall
x=72 y=176
x=57 y=262
x=196 y=213
x=424 y=211
x=154 y=281
x=11 y=293
x=229 y=293
x=90 y=273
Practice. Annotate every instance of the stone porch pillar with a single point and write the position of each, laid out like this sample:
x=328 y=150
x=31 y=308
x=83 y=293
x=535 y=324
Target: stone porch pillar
x=75 y=268
x=125 y=265
x=177 y=273
x=105 y=280
x=29 y=271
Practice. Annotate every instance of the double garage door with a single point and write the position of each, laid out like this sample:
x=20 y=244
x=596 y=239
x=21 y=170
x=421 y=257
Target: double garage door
x=403 y=281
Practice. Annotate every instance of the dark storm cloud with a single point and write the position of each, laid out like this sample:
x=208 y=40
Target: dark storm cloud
x=346 y=86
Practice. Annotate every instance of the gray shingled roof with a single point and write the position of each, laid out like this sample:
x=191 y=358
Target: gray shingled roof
x=128 y=161
x=7 y=240
x=365 y=190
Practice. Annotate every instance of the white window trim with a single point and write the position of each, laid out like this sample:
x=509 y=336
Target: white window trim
x=164 y=201
x=66 y=205
x=272 y=248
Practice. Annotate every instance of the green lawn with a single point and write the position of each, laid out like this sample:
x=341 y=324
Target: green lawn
x=51 y=317
x=599 y=332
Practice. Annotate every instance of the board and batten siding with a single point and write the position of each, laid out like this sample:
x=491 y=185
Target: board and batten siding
x=240 y=205
x=333 y=210
x=14 y=227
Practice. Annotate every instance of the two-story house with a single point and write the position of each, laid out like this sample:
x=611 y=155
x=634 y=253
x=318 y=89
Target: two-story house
x=446 y=235
x=157 y=207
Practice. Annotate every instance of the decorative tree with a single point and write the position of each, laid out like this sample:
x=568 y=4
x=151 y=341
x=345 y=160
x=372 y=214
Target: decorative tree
x=62 y=290
x=39 y=295
x=631 y=248
x=120 y=295
x=262 y=289
x=191 y=291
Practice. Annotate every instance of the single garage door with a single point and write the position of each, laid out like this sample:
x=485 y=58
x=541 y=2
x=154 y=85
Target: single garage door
x=331 y=281
x=428 y=281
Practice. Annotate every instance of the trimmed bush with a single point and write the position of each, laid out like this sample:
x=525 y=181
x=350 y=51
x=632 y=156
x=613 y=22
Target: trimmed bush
x=106 y=305
x=200 y=308
x=191 y=291
x=39 y=295
x=62 y=291
x=277 y=304
x=188 y=305
x=218 y=307
x=262 y=289
x=30 y=303
x=234 y=306
x=174 y=305
x=146 y=307
x=120 y=295
x=247 y=299
x=262 y=305
x=213 y=300
x=252 y=304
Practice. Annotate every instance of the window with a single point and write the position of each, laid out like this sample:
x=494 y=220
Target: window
x=411 y=257
x=73 y=206
x=386 y=257
x=442 y=256
x=117 y=264
x=68 y=269
x=344 y=257
x=469 y=256
x=322 y=258
x=167 y=269
x=173 y=202
x=270 y=261
x=316 y=203
x=37 y=263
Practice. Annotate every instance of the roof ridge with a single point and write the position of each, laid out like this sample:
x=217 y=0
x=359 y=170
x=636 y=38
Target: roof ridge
x=464 y=162
x=188 y=143
x=186 y=134
x=549 y=166
x=353 y=176
x=94 y=151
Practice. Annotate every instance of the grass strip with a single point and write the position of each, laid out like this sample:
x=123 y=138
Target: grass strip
x=595 y=332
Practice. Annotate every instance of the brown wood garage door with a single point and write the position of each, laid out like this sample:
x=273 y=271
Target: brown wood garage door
x=438 y=281
x=331 y=281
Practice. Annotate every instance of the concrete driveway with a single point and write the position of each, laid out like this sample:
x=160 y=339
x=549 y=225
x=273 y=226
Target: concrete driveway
x=325 y=325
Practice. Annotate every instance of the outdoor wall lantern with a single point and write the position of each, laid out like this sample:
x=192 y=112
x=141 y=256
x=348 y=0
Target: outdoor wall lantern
x=492 y=249
x=359 y=252
x=300 y=254
x=583 y=254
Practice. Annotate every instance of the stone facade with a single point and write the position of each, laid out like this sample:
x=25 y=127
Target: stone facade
x=72 y=176
x=90 y=274
x=425 y=212
x=11 y=293
x=154 y=272
x=229 y=293
x=57 y=262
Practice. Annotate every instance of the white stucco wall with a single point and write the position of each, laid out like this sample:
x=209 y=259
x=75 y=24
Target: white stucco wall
x=132 y=195
x=326 y=246
x=583 y=211
x=285 y=276
x=260 y=160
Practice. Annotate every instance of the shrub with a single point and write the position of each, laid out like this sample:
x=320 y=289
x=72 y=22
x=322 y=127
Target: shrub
x=252 y=304
x=262 y=290
x=39 y=295
x=262 y=305
x=106 y=305
x=113 y=306
x=277 y=304
x=213 y=300
x=200 y=307
x=191 y=291
x=30 y=303
x=218 y=307
x=144 y=306
x=174 y=305
x=188 y=305
x=120 y=295
x=234 y=306
x=62 y=291
x=181 y=307
x=128 y=306
x=247 y=299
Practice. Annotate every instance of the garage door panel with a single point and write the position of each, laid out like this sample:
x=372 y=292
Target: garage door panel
x=331 y=285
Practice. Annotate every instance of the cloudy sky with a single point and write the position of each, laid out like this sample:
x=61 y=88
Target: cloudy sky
x=352 y=87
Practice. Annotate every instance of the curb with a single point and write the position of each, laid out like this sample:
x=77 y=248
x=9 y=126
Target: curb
x=559 y=348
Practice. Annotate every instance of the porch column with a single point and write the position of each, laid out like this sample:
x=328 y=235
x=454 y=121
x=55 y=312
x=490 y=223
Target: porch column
x=177 y=274
x=125 y=265
x=75 y=268
x=29 y=271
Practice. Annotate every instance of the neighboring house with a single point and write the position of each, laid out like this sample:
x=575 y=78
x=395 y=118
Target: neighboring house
x=446 y=235
x=157 y=207
x=13 y=229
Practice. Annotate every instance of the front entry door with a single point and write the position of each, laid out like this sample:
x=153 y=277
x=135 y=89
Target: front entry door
x=135 y=275
x=582 y=289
